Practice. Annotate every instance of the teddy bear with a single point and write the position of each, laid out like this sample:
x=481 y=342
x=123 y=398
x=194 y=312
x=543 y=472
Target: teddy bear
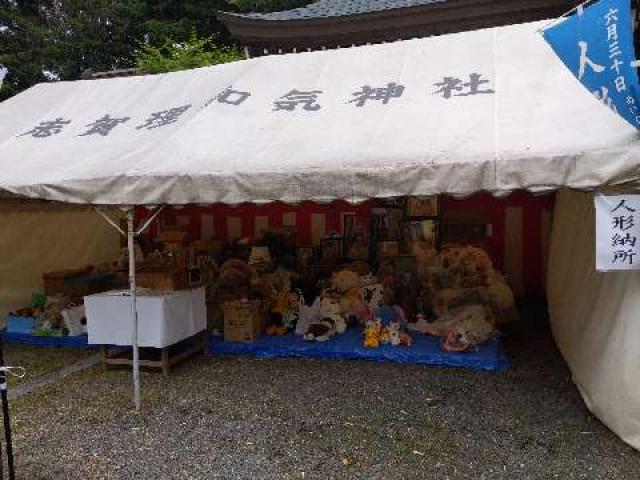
x=234 y=274
x=500 y=294
x=345 y=280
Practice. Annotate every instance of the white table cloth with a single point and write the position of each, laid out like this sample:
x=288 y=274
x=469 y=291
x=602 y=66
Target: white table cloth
x=163 y=318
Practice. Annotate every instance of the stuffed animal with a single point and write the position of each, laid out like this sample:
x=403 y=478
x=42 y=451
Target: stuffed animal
x=385 y=315
x=372 y=334
x=385 y=335
x=463 y=328
x=234 y=274
x=405 y=339
x=373 y=295
x=330 y=323
x=288 y=305
x=394 y=333
x=500 y=294
x=388 y=314
x=349 y=302
x=276 y=330
x=362 y=312
x=425 y=259
x=330 y=308
x=397 y=337
x=321 y=331
x=441 y=300
x=308 y=316
x=345 y=280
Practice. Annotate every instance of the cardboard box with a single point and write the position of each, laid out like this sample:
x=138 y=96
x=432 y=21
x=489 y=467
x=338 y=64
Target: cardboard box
x=162 y=279
x=242 y=321
x=77 y=282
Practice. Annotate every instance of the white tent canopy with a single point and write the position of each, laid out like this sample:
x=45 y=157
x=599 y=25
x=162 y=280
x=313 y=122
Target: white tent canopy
x=540 y=129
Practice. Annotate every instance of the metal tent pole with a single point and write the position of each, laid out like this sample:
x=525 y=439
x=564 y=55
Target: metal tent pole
x=131 y=233
x=6 y=418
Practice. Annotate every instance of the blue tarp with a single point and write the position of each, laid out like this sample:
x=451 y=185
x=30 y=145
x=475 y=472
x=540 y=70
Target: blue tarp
x=80 y=341
x=425 y=350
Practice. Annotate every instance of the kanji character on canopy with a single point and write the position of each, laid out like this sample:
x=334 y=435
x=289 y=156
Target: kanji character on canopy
x=295 y=97
x=164 y=117
x=104 y=125
x=229 y=96
x=47 y=128
x=452 y=84
x=383 y=94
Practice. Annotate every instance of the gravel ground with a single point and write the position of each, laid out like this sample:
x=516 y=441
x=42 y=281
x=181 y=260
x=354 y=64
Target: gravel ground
x=239 y=418
x=38 y=361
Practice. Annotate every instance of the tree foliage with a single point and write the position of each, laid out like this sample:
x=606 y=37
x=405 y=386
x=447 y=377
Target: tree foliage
x=266 y=5
x=192 y=53
x=47 y=39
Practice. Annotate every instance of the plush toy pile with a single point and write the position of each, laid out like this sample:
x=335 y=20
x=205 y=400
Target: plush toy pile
x=465 y=299
x=468 y=298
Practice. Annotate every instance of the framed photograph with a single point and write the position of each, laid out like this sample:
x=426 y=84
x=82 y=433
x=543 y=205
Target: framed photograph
x=387 y=224
x=330 y=249
x=304 y=256
x=357 y=236
x=422 y=206
x=421 y=231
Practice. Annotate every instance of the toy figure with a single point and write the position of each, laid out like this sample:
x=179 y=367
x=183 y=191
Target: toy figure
x=394 y=333
x=385 y=335
x=372 y=334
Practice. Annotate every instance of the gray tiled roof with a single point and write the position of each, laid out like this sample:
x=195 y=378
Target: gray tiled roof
x=337 y=8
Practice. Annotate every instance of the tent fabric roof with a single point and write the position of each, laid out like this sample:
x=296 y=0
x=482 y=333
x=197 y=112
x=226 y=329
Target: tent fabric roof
x=335 y=8
x=490 y=110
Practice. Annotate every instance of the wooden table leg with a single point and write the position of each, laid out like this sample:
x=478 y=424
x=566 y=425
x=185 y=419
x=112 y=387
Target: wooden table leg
x=164 y=358
x=103 y=356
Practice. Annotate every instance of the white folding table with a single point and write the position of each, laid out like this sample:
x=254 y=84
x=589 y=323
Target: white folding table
x=164 y=319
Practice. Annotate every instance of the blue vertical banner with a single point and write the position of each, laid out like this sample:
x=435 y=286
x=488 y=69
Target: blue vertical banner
x=596 y=43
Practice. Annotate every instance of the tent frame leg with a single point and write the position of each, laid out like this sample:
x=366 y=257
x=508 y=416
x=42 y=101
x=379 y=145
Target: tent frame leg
x=131 y=234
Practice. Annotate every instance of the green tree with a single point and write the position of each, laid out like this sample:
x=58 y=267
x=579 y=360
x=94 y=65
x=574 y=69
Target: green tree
x=43 y=40
x=267 y=5
x=47 y=39
x=193 y=53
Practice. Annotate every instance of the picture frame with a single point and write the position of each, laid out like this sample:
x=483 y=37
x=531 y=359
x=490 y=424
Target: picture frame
x=422 y=206
x=330 y=249
x=387 y=224
x=421 y=231
x=357 y=236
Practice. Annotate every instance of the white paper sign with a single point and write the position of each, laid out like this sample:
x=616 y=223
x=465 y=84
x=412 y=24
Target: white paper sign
x=617 y=232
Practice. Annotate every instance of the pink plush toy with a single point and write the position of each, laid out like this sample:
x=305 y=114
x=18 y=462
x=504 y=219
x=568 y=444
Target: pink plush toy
x=363 y=312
